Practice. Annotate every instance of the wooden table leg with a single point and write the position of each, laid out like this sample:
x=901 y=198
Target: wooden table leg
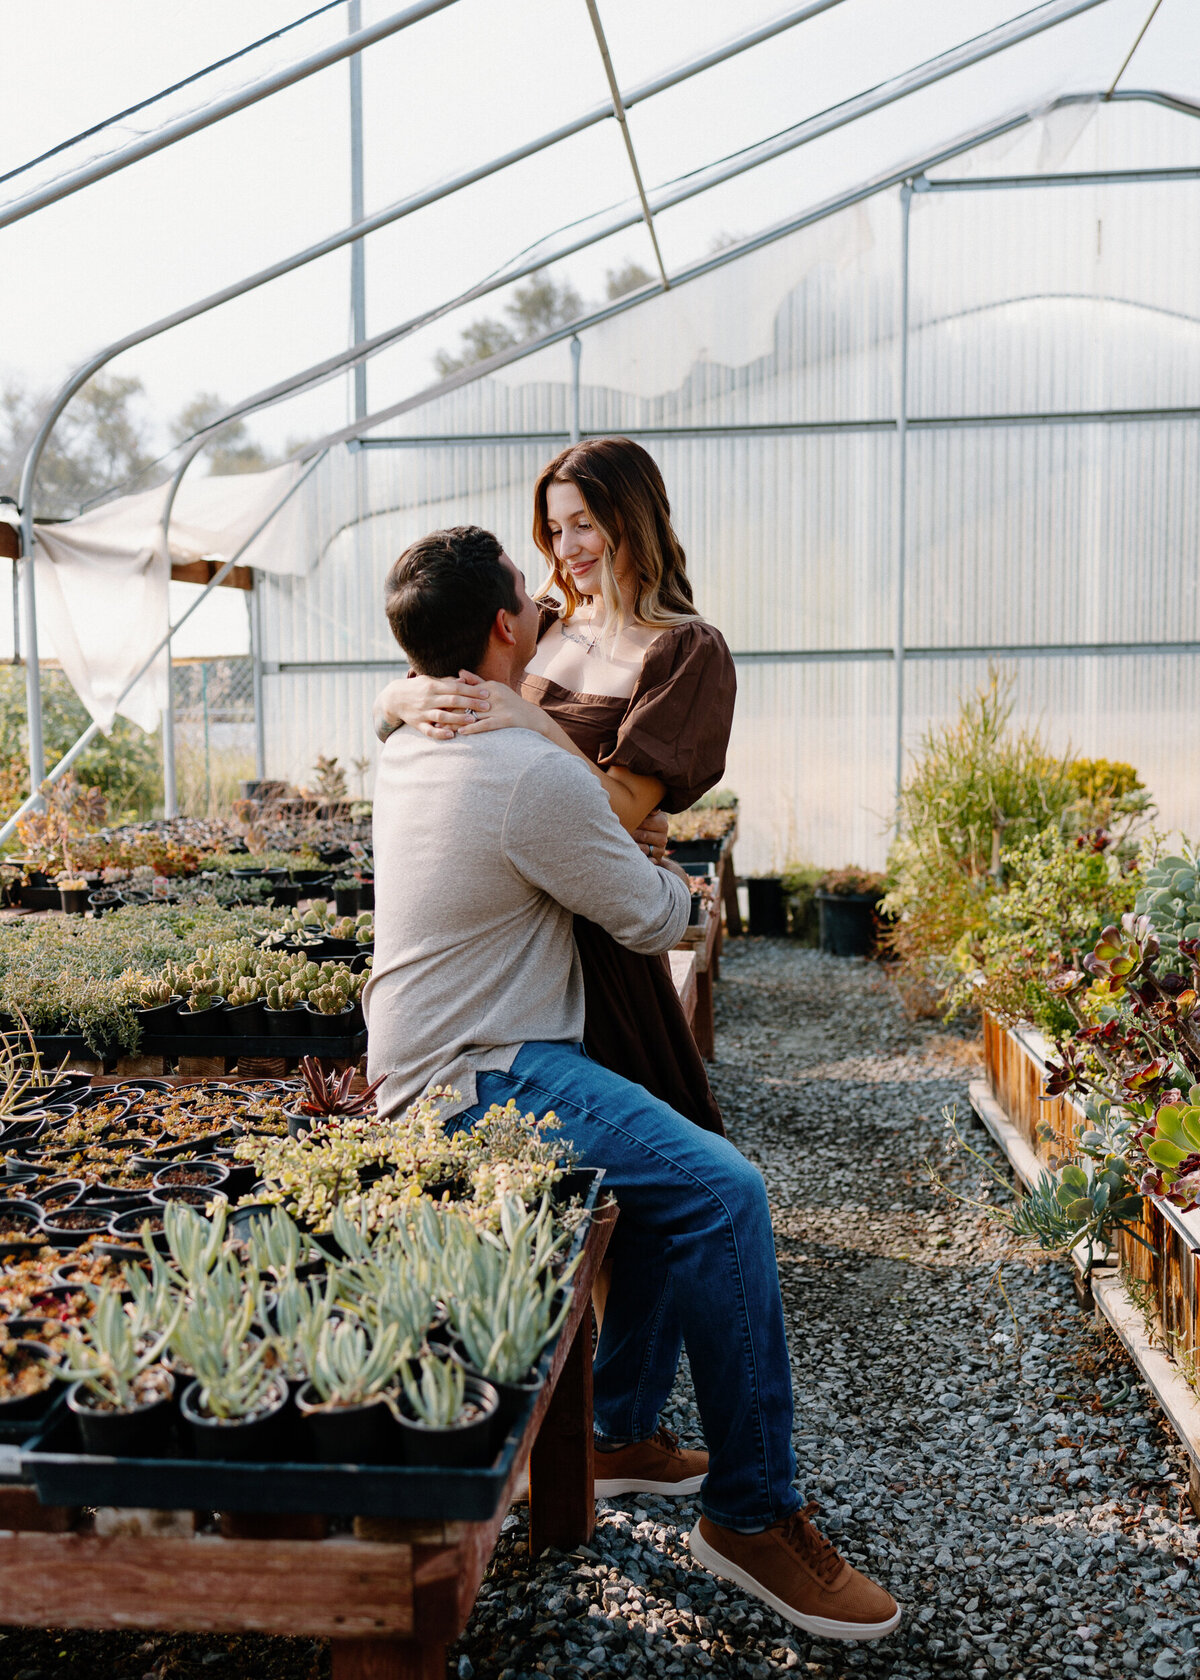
x=562 y=1497
x=387 y=1659
x=733 y=916
x=703 y=1029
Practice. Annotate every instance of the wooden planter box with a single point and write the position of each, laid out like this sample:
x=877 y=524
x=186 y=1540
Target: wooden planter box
x=1153 y=1301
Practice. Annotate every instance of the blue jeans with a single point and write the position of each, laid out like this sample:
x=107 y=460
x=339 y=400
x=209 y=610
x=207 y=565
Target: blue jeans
x=693 y=1259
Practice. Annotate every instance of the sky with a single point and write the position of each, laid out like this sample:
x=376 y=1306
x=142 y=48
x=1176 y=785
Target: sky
x=456 y=89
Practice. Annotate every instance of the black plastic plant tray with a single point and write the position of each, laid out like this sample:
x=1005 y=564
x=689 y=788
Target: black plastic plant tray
x=61 y=1475
x=54 y=1046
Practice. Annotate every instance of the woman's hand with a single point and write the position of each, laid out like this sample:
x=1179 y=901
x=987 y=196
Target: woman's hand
x=652 y=836
x=437 y=706
x=505 y=710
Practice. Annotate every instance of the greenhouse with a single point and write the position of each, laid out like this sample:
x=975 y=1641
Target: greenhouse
x=896 y=307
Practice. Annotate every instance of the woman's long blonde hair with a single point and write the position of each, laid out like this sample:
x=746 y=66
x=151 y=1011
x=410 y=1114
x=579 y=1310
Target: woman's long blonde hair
x=626 y=500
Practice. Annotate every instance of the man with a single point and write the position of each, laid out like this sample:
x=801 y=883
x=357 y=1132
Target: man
x=485 y=847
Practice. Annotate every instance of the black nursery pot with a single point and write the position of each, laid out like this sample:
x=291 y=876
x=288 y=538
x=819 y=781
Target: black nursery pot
x=285 y=1023
x=161 y=1018
x=71 y=1226
x=512 y=1397
x=242 y=1440
x=848 y=923
x=25 y=1217
x=214 y=1173
x=74 y=902
x=243 y=1020
x=350 y=1434
x=317 y=1025
x=467 y=1446
x=768 y=907
x=141 y=1432
x=346 y=900
x=284 y=896
x=366 y=892
x=29 y=1406
x=201 y=1022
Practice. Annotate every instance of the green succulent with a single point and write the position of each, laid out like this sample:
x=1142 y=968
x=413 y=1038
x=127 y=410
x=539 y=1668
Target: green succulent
x=350 y=1367
x=1170 y=899
x=437 y=1393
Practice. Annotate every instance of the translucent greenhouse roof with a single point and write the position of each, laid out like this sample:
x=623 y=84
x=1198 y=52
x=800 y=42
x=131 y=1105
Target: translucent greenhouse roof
x=736 y=139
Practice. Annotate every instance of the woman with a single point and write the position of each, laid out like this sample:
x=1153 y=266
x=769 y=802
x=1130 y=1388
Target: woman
x=629 y=677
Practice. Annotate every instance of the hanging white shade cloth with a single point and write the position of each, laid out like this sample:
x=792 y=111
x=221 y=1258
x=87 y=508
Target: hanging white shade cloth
x=102 y=578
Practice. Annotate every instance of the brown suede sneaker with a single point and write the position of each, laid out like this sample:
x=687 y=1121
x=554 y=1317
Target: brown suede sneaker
x=659 y=1465
x=798 y=1573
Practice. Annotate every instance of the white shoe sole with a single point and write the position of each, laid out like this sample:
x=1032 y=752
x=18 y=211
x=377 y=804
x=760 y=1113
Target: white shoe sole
x=822 y=1626
x=610 y=1487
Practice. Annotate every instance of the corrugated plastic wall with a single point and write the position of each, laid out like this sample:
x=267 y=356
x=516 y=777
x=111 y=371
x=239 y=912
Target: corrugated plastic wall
x=1025 y=535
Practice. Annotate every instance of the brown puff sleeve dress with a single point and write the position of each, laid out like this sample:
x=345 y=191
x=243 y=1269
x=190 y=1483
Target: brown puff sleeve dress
x=675 y=727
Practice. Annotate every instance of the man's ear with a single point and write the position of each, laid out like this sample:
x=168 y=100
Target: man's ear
x=504 y=627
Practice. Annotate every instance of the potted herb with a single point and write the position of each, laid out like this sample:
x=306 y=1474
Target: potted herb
x=847 y=903
x=327 y=1096
x=447 y=1416
x=120 y=1393
x=347 y=1403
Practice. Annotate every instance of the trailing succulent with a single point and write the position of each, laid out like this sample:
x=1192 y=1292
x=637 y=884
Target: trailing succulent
x=374 y=1169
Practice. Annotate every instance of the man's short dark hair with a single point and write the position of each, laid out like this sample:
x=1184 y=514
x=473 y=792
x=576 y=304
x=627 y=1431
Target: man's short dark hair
x=443 y=594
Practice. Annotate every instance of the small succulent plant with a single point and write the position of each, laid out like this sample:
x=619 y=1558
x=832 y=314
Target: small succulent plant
x=110 y=1352
x=436 y=1393
x=1122 y=954
x=352 y=1368
x=327 y=1094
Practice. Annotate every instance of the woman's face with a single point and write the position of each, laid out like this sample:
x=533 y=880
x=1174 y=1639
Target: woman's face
x=578 y=545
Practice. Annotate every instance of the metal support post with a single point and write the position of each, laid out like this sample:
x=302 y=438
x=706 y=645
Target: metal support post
x=170 y=785
x=33 y=671
x=358 y=256
x=901 y=489
x=254 y=606
x=576 y=353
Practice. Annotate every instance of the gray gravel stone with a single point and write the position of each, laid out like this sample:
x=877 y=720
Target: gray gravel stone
x=975 y=1442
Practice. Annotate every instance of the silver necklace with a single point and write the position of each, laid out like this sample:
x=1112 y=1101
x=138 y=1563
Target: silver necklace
x=587 y=643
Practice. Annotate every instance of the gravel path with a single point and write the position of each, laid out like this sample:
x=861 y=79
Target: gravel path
x=1009 y=1481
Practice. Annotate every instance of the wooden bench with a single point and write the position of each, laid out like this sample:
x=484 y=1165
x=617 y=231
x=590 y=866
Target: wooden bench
x=390 y=1597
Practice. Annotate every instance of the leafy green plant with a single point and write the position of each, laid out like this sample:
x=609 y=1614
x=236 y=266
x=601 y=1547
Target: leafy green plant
x=1057 y=896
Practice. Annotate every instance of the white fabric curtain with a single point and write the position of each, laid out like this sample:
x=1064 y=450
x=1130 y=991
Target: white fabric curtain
x=102 y=578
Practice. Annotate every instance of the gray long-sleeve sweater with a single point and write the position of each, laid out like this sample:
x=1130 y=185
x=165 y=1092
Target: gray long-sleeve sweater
x=485 y=846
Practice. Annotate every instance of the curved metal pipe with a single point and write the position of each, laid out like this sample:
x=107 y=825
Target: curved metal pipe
x=218 y=111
